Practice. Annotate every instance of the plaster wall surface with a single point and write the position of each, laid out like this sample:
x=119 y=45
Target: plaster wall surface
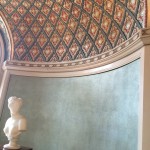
x=97 y=112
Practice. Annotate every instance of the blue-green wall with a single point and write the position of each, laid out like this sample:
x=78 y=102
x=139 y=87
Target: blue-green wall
x=97 y=112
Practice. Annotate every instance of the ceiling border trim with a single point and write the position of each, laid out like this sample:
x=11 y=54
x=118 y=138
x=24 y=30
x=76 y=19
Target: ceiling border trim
x=117 y=54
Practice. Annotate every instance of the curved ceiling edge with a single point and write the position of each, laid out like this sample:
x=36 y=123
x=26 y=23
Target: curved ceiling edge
x=126 y=53
x=5 y=28
x=16 y=70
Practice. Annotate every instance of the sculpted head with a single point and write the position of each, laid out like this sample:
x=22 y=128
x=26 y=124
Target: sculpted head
x=14 y=104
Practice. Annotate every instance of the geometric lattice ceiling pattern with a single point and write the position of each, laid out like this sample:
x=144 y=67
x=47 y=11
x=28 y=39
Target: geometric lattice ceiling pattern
x=66 y=30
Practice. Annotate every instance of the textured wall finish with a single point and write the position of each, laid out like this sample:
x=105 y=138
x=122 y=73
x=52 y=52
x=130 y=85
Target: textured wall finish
x=98 y=112
x=64 y=30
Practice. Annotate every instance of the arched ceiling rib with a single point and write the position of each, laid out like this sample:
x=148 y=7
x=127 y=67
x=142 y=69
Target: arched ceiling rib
x=66 y=30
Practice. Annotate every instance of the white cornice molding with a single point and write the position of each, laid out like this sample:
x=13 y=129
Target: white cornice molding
x=71 y=73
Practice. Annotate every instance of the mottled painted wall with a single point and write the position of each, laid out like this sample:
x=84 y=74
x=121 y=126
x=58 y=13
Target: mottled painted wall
x=98 y=112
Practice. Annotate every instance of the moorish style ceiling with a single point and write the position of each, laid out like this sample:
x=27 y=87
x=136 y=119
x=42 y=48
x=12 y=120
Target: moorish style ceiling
x=66 y=30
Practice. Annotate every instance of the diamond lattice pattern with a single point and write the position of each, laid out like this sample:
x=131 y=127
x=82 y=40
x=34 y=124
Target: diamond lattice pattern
x=65 y=30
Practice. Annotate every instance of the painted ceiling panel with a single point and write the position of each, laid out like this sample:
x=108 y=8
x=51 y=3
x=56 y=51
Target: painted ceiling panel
x=67 y=30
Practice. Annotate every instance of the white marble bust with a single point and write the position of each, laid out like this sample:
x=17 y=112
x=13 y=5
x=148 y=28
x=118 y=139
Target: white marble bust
x=16 y=124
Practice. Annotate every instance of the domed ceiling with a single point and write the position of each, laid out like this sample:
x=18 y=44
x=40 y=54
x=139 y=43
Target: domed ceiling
x=66 y=30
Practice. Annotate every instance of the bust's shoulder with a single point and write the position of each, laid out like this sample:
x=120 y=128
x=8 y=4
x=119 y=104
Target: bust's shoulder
x=9 y=119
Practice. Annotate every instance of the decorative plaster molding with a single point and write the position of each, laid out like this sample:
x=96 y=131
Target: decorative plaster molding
x=115 y=55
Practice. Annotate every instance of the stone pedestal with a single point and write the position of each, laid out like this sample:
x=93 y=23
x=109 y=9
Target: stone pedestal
x=22 y=148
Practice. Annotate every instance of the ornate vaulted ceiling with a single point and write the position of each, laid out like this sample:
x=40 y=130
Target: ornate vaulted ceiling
x=66 y=30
